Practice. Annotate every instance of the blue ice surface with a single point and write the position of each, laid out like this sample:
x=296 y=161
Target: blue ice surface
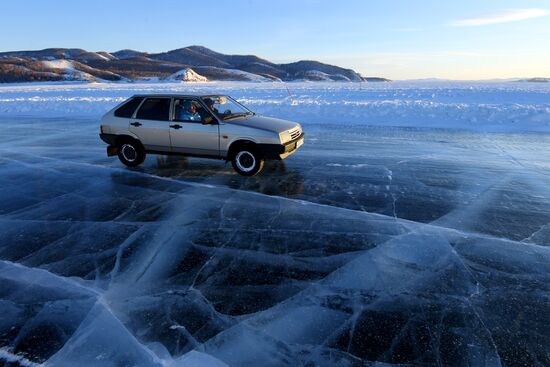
x=400 y=245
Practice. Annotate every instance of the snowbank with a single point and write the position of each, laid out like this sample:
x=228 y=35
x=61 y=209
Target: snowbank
x=458 y=105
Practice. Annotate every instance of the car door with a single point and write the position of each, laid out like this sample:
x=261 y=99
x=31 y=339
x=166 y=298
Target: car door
x=152 y=123
x=194 y=130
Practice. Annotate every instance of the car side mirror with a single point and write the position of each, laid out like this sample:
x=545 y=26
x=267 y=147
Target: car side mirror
x=208 y=120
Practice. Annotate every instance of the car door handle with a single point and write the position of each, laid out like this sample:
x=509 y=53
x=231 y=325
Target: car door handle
x=136 y=124
x=176 y=126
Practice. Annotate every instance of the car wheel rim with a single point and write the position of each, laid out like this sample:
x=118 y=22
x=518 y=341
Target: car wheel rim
x=245 y=161
x=129 y=152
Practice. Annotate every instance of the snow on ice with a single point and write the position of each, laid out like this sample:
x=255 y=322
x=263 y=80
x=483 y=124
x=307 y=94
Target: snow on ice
x=510 y=106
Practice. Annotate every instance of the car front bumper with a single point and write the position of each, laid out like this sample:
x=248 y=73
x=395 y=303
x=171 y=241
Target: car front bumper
x=281 y=151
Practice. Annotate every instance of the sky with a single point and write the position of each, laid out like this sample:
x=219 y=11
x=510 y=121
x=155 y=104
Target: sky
x=397 y=39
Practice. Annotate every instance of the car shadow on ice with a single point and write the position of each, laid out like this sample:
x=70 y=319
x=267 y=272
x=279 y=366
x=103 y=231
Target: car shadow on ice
x=276 y=178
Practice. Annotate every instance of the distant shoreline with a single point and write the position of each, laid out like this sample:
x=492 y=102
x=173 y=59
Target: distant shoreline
x=266 y=83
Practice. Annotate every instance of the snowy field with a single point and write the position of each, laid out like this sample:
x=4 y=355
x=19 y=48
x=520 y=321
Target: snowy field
x=510 y=106
x=383 y=240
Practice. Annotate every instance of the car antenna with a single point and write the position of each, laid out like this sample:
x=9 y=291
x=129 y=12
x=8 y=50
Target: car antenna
x=288 y=91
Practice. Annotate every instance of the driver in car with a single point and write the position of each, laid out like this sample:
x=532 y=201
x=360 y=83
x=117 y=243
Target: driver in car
x=210 y=103
x=188 y=112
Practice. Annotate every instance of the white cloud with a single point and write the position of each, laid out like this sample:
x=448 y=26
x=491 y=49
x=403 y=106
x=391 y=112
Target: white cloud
x=504 y=16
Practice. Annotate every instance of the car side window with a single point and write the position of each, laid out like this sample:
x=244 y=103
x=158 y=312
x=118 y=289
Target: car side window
x=154 y=109
x=127 y=109
x=190 y=110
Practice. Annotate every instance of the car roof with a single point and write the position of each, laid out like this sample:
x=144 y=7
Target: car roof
x=183 y=95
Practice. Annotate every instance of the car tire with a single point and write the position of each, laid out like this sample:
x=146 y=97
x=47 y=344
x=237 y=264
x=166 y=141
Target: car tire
x=247 y=161
x=131 y=153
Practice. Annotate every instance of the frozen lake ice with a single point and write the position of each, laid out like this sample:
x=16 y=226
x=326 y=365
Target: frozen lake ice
x=398 y=245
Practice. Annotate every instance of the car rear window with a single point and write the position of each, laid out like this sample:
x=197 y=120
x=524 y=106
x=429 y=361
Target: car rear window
x=154 y=109
x=127 y=109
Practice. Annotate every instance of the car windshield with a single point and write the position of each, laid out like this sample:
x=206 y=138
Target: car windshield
x=226 y=107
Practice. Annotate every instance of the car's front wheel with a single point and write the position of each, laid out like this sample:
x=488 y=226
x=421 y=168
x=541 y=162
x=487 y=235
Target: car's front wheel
x=131 y=153
x=247 y=161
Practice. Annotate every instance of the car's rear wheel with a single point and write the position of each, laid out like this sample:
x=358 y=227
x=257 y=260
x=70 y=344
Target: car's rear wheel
x=247 y=161
x=131 y=153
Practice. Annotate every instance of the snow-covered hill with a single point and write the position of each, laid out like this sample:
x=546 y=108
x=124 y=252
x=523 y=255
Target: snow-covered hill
x=187 y=75
x=234 y=75
x=69 y=71
x=21 y=66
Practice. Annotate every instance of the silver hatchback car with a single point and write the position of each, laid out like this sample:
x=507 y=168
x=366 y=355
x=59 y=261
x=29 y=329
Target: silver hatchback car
x=208 y=126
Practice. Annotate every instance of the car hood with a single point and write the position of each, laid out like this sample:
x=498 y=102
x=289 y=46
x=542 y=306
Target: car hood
x=264 y=123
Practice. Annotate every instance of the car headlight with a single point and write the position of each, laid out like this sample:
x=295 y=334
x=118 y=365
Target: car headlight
x=284 y=136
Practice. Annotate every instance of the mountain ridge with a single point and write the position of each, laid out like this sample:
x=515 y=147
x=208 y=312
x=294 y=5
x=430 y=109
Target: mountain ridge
x=133 y=65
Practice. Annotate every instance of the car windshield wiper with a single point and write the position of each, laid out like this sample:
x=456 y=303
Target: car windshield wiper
x=236 y=115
